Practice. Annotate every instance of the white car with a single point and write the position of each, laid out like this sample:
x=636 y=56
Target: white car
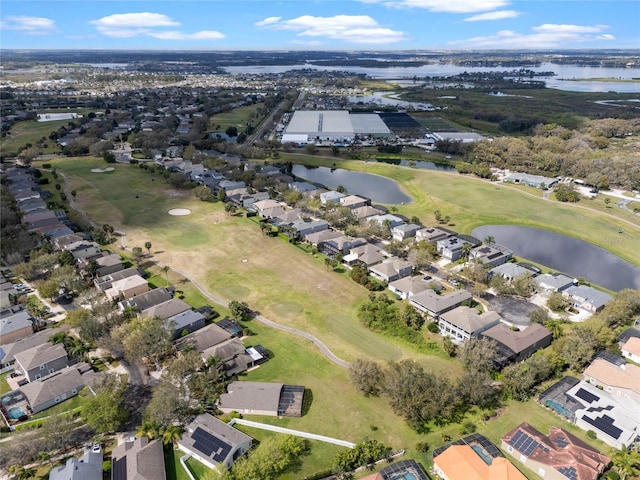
x=95 y=448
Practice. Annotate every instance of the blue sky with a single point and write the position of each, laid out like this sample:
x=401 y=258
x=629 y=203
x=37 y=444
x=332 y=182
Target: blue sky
x=320 y=24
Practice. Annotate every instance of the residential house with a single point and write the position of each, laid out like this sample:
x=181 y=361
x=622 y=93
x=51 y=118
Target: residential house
x=367 y=254
x=516 y=345
x=87 y=467
x=106 y=263
x=558 y=456
x=235 y=357
x=9 y=350
x=509 y=271
x=57 y=387
x=40 y=216
x=391 y=269
x=14 y=325
x=105 y=282
x=462 y=462
x=463 y=323
x=631 y=349
x=619 y=380
x=284 y=216
x=431 y=303
x=213 y=442
x=59 y=243
x=230 y=185
x=261 y=205
x=166 y=310
x=354 y=201
x=432 y=234
x=230 y=326
x=386 y=219
x=317 y=238
x=262 y=398
x=452 y=248
x=40 y=361
x=491 y=255
x=147 y=300
x=556 y=282
x=587 y=298
x=366 y=212
x=302 y=187
x=141 y=459
x=83 y=249
x=614 y=419
x=127 y=288
x=32 y=205
x=205 y=338
x=300 y=228
x=408 y=286
x=188 y=321
x=331 y=198
x=404 y=231
x=341 y=244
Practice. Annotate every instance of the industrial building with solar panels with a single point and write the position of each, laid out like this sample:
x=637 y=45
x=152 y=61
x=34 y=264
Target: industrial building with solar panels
x=310 y=126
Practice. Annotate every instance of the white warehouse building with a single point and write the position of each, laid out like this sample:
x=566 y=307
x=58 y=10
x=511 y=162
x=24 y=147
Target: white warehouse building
x=333 y=126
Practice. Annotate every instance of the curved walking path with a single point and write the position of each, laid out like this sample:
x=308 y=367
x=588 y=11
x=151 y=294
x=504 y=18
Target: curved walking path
x=288 y=431
x=316 y=341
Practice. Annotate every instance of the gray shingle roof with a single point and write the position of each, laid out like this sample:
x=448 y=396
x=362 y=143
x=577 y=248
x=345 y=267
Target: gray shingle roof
x=252 y=396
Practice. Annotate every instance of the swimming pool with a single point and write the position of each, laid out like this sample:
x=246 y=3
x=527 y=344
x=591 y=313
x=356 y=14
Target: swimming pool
x=15 y=413
x=405 y=476
x=478 y=449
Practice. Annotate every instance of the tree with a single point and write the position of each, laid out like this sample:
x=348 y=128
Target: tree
x=330 y=263
x=103 y=411
x=489 y=239
x=165 y=269
x=172 y=434
x=49 y=289
x=230 y=208
x=627 y=463
x=232 y=131
x=557 y=302
x=148 y=246
x=367 y=376
x=607 y=201
x=449 y=346
x=478 y=355
x=466 y=249
x=538 y=315
x=239 y=310
x=520 y=379
x=137 y=254
x=146 y=337
x=203 y=193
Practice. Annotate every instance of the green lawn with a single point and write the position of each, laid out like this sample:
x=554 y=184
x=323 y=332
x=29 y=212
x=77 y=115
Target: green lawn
x=4 y=386
x=172 y=465
x=238 y=117
x=198 y=469
x=31 y=131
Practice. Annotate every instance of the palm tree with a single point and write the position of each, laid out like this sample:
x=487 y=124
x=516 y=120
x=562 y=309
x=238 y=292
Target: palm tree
x=61 y=337
x=44 y=457
x=130 y=311
x=27 y=473
x=78 y=348
x=149 y=429
x=166 y=269
x=171 y=434
x=148 y=246
x=627 y=463
x=555 y=326
x=466 y=249
x=489 y=239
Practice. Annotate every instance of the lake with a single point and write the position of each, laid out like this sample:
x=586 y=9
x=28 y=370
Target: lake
x=377 y=188
x=559 y=81
x=565 y=254
x=444 y=167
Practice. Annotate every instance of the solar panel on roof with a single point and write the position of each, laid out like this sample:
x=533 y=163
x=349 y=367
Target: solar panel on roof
x=210 y=445
x=569 y=472
x=604 y=424
x=586 y=396
x=526 y=445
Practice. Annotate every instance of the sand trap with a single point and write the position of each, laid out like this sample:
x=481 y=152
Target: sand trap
x=179 y=212
x=102 y=170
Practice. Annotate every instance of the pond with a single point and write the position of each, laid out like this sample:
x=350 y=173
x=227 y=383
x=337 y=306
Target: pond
x=445 y=167
x=565 y=254
x=377 y=188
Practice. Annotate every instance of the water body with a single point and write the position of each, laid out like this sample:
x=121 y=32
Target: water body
x=444 y=167
x=377 y=188
x=386 y=98
x=559 y=81
x=566 y=254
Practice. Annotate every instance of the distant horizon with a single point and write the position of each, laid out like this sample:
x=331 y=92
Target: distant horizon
x=320 y=25
x=367 y=50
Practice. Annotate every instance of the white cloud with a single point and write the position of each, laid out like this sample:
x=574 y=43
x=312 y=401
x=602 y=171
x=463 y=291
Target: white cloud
x=268 y=21
x=564 y=28
x=128 y=25
x=360 y=29
x=545 y=36
x=449 y=6
x=497 y=15
x=29 y=25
